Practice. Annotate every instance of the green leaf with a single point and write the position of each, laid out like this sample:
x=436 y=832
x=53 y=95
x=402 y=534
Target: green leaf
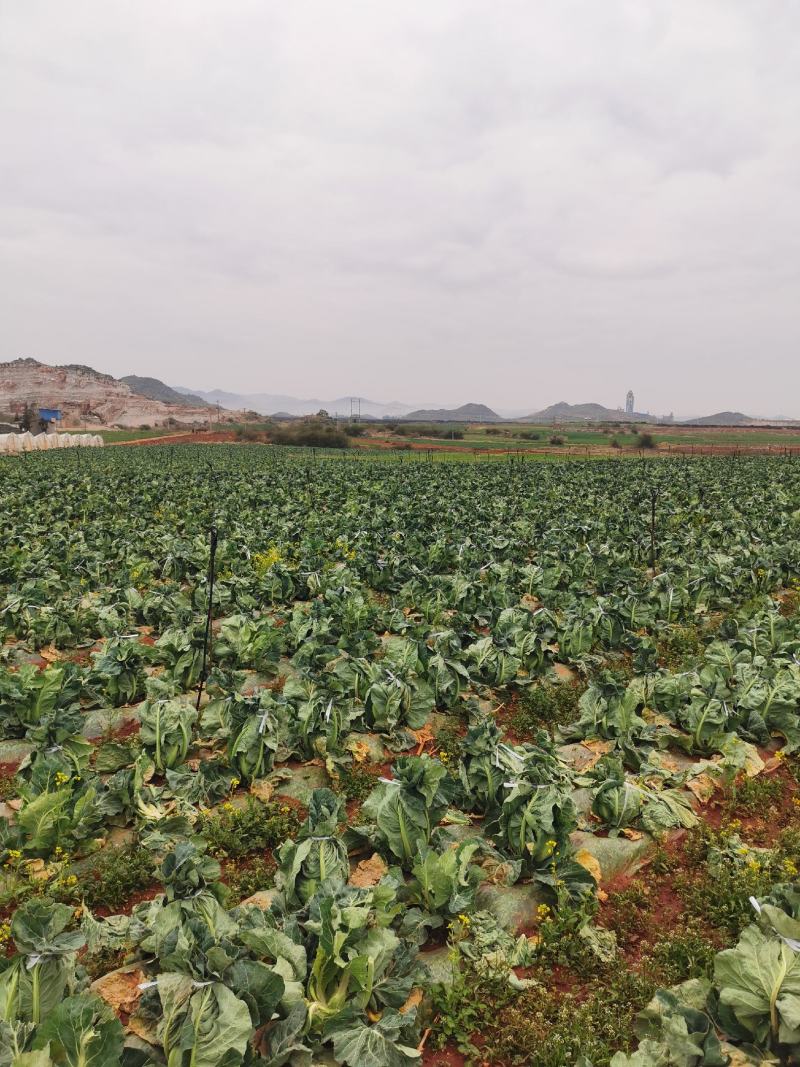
x=216 y=1029
x=360 y=1045
x=82 y=1031
x=759 y=980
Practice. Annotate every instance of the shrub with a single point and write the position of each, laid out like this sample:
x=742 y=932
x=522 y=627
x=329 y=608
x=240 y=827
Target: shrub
x=646 y=440
x=556 y=440
x=248 y=433
x=310 y=435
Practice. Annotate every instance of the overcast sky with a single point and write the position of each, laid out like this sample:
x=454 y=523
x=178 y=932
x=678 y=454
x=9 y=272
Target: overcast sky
x=422 y=200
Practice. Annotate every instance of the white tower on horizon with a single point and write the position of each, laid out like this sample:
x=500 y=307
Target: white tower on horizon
x=629 y=403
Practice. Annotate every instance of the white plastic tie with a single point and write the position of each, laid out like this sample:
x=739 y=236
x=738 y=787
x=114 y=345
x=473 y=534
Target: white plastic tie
x=790 y=942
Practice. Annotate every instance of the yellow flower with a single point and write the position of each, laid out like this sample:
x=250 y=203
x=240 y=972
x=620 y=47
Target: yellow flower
x=263 y=561
x=234 y=783
x=227 y=806
x=285 y=809
x=543 y=911
x=444 y=756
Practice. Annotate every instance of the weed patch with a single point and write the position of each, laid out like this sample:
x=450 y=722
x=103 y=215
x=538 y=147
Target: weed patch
x=546 y=706
x=232 y=831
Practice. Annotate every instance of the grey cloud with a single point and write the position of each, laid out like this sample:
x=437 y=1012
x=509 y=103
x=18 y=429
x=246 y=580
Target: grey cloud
x=511 y=202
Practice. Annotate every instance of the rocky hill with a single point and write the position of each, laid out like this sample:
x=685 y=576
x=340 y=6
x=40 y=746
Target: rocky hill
x=466 y=413
x=724 y=418
x=155 y=389
x=85 y=395
x=564 y=412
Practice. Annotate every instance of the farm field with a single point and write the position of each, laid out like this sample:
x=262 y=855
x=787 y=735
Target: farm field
x=598 y=439
x=439 y=763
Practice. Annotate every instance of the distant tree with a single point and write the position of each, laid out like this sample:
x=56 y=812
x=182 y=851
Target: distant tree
x=646 y=440
x=27 y=418
x=556 y=440
x=322 y=414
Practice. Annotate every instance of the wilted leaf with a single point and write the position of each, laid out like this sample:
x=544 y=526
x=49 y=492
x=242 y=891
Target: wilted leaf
x=368 y=872
x=590 y=863
x=120 y=989
x=262 y=790
x=702 y=786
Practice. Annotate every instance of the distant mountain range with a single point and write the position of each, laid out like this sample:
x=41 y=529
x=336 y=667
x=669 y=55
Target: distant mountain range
x=561 y=412
x=282 y=406
x=135 y=399
x=277 y=403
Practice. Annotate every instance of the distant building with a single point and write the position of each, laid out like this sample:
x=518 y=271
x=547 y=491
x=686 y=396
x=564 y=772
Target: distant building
x=47 y=416
x=629 y=403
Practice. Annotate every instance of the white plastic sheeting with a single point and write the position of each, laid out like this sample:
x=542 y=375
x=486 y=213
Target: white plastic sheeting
x=11 y=443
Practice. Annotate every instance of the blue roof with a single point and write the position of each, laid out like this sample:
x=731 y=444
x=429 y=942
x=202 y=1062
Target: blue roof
x=50 y=414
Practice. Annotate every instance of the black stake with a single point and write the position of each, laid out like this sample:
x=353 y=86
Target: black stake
x=653 y=499
x=207 y=637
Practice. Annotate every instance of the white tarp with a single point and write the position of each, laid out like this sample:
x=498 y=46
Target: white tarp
x=12 y=443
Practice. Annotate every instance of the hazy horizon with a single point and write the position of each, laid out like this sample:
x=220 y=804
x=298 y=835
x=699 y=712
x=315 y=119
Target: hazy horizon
x=508 y=205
